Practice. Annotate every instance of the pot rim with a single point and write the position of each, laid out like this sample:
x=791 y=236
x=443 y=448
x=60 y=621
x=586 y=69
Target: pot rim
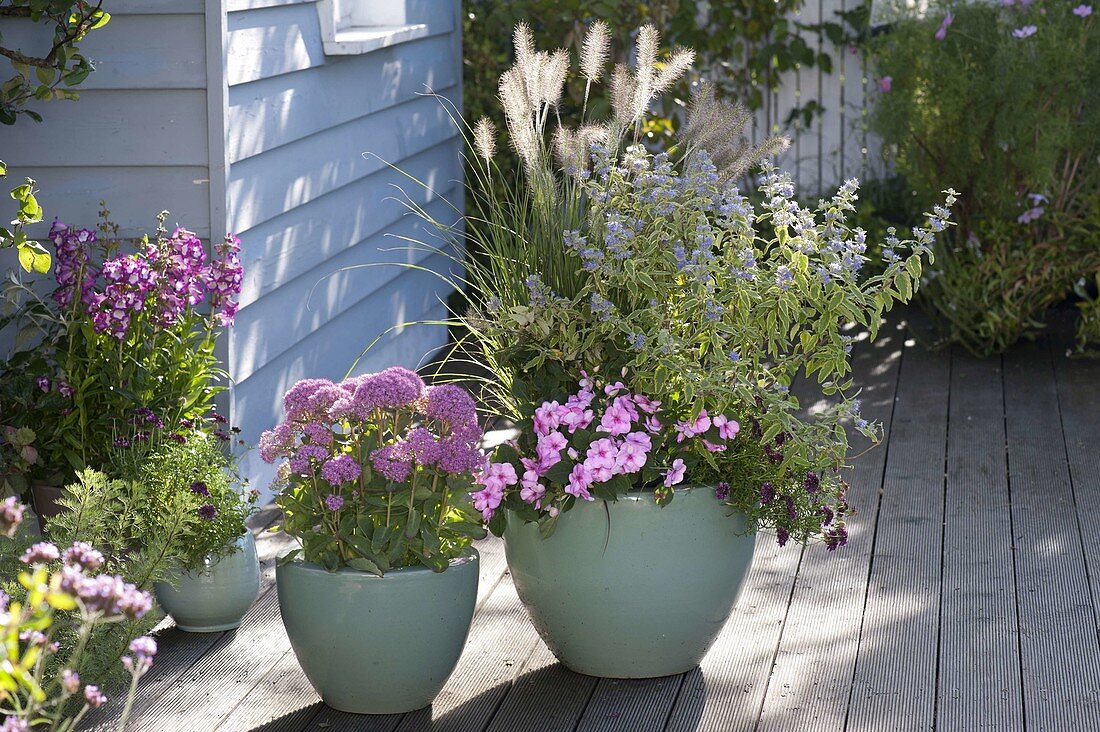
x=469 y=555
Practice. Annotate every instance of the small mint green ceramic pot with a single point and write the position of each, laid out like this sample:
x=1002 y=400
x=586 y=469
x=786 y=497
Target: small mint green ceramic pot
x=378 y=645
x=631 y=589
x=217 y=596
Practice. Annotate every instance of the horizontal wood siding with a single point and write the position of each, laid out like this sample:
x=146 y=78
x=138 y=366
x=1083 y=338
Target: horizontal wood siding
x=310 y=139
x=138 y=137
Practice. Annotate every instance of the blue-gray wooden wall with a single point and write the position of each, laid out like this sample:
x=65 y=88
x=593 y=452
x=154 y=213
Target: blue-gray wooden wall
x=308 y=201
x=139 y=137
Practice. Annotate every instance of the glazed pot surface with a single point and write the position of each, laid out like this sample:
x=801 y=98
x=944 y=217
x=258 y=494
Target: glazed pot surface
x=378 y=645
x=631 y=589
x=216 y=597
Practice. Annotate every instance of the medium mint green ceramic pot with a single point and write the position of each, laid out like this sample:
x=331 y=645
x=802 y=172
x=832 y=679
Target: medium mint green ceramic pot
x=217 y=596
x=631 y=589
x=378 y=645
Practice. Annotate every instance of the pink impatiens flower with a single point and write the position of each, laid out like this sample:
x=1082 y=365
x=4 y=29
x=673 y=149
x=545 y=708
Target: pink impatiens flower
x=632 y=456
x=727 y=428
x=616 y=420
x=676 y=474
x=694 y=428
x=579 y=480
x=600 y=460
x=549 y=449
x=547 y=418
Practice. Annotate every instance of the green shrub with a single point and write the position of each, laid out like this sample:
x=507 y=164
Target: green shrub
x=1001 y=102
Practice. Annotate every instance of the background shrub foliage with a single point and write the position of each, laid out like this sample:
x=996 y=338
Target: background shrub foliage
x=1002 y=101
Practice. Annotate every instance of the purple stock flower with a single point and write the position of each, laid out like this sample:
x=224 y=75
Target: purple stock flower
x=223 y=279
x=207 y=512
x=792 y=511
x=782 y=535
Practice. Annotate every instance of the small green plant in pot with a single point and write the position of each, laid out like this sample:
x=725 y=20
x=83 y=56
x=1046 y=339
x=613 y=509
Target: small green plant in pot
x=218 y=574
x=379 y=598
x=686 y=315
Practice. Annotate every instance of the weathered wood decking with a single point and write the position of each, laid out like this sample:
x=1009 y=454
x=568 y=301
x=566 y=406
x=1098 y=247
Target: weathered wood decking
x=966 y=598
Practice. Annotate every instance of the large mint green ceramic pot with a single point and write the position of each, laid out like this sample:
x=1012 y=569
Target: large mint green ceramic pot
x=217 y=596
x=378 y=645
x=631 y=589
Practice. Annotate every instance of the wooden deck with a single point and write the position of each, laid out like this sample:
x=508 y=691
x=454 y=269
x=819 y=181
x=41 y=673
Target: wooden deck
x=966 y=598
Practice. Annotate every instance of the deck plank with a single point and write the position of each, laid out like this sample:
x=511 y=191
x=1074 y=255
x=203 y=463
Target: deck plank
x=1059 y=654
x=501 y=640
x=628 y=705
x=179 y=651
x=1078 y=383
x=545 y=697
x=895 y=677
x=727 y=689
x=979 y=668
x=812 y=680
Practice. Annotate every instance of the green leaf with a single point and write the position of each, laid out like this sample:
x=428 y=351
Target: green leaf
x=365 y=565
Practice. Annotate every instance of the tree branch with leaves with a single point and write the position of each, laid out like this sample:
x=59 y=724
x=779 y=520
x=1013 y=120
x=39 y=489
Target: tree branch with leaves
x=54 y=74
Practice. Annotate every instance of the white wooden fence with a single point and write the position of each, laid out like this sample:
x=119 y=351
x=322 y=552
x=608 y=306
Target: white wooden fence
x=837 y=144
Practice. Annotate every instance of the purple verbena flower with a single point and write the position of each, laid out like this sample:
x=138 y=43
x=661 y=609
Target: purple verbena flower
x=94 y=696
x=11 y=516
x=84 y=556
x=41 y=553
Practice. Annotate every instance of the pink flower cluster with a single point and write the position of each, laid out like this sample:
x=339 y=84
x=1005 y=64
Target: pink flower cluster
x=168 y=278
x=323 y=417
x=631 y=423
